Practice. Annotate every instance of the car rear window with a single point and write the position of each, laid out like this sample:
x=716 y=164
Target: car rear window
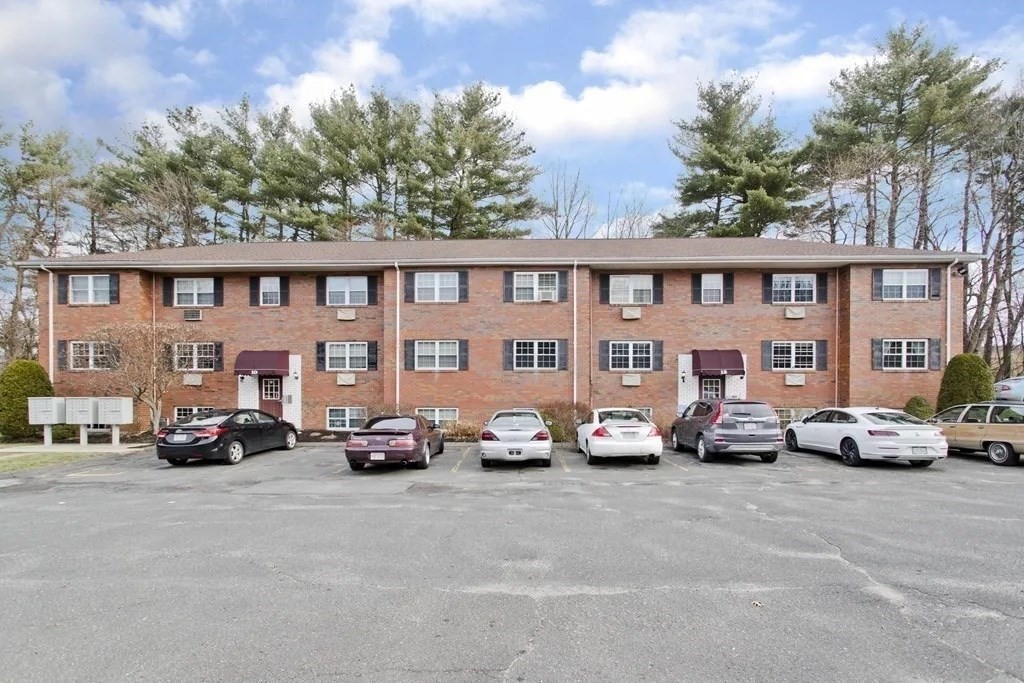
x=515 y=420
x=887 y=418
x=621 y=416
x=749 y=410
x=204 y=419
x=1007 y=415
x=390 y=423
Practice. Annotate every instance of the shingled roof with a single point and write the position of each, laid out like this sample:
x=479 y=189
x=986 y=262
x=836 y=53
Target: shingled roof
x=609 y=253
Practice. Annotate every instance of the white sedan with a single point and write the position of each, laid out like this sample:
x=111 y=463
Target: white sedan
x=615 y=432
x=858 y=434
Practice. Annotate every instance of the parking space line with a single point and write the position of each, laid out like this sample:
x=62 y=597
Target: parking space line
x=674 y=464
x=464 y=454
x=561 y=459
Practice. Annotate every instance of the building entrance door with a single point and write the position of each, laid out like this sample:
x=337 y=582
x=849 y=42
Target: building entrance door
x=270 y=396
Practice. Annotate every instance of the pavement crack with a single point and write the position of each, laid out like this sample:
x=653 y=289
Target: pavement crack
x=530 y=641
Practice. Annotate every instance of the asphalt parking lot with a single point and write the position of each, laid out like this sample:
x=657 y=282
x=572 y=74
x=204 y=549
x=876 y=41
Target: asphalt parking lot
x=290 y=566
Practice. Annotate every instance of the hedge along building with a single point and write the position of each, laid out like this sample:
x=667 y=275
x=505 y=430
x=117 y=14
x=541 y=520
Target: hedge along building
x=320 y=333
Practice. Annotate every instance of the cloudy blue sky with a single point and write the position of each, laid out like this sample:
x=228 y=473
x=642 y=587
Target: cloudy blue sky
x=595 y=83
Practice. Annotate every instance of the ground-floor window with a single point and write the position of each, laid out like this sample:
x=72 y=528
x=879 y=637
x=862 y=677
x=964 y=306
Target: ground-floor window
x=181 y=412
x=904 y=354
x=345 y=417
x=88 y=355
x=796 y=355
x=439 y=415
x=711 y=387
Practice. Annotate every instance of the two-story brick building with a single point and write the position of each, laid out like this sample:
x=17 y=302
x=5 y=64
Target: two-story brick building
x=322 y=332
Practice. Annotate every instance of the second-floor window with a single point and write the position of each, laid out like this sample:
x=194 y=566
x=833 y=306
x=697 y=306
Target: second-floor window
x=437 y=355
x=89 y=289
x=904 y=285
x=625 y=355
x=91 y=355
x=193 y=291
x=437 y=287
x=793 y=289
x=711 y=288
x=270 y=291
x=536 y=354
x=345 y=356
x=631 y=289
x=347 y=290
x=199 y=356
x=904 y=354
x=536 y=286
x=793 y=355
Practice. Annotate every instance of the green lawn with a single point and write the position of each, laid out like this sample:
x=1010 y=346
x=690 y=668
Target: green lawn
x=16 y=463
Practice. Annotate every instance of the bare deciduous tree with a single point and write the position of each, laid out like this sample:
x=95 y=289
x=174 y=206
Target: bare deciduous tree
x=568 y=209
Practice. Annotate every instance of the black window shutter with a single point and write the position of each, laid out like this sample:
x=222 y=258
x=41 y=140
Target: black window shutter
x=169 y=356
x=934 y=354
x=876 y=354
x=114 y=288
x=62 y=289
x=728 y=287
x=821 y=354
x=935 y=283
x=168 y=291
x=321 y=290
x=510 y=286
x=410 y=354
x=822 y=297
x=695 y=293
x=508 y=354
x=62 y=355
x=218 y=356
x=766 y=288
x=606 y=288
x=463 y=354
x=563 y=285
x=876 y=284
x=463 y=286
x=658 y=294
x=371 y=290
x=218 y=291
x=604 y=355
x=766 y=354
x=371 y=355
x=321 y=356
x=410 y=287
x=285 y=290
x=658 y=356
x=254 y=291
x=563 y=354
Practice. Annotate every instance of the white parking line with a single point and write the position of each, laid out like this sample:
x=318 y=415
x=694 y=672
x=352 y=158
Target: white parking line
x=674 y=464
x=464 y=454
x=94 y=473
x=561 y=459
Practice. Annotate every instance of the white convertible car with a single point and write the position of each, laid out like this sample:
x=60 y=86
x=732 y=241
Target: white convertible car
x=618 y=432
x=858 y=434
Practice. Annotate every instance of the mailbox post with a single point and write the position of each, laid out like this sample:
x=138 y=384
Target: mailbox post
x=115 y=411
x=46 y=411
x=81 y=411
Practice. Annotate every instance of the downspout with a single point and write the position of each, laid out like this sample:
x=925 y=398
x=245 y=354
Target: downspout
x=835 y=397
x=398 y=336
x=574 y=339
x=152 y=336
x=49 y=322
x=949 y=308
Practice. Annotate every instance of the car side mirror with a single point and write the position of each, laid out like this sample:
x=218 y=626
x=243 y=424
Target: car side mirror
x=931 y=420
x=578 y=422
x=805 y=419
x=433 y=426
x=547 y=422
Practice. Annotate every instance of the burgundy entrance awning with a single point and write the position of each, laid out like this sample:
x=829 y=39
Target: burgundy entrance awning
x=718 y=362
x=262 y=363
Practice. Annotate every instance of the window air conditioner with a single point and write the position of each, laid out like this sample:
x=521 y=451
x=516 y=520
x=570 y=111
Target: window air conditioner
x=193 y=314
x=547 y=295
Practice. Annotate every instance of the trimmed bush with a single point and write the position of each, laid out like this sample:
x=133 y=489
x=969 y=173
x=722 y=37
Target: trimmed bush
x=967 y=379
x=563 y=416
x=461 y=431
x=919 y=407
x=20 y=380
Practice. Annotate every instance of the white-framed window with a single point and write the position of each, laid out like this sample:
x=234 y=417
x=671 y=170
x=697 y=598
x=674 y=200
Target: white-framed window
x=193 y=291
x=181 y=412
x=536 y=354
x=89 y=289
x=711 y=387
x=536 y=286
x=904 y=354
x=793 y=355
x=198 y=356
x=437 y=355
x=905 y=285
x=631 y=289
x=794 y=289
x=648 y=413
x=346 y=356
x=270 y=291
x=91 y=355
x=270 y=389
x=437 y=287
x=345 y=417
x=439 y=415
x=630 y=355
x=347 y=290
x=712 y=286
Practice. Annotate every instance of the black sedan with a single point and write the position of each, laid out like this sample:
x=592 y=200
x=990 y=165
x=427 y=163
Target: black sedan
x=227 y=435
x=385 y=439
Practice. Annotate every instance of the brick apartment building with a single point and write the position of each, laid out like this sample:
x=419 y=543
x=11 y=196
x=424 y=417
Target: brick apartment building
x=321 y=332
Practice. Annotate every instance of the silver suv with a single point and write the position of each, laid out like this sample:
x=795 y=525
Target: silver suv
x=711 y=426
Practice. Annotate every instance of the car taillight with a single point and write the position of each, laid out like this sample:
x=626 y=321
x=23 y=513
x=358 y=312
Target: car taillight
x=716 y=417
x=358 y=443
x=542 y=435
x=402 y=443
x=1003 y=387
x=162 y=433
x=601 y=431
x=655 y=431
x=882 y=432
x=211 y=432
x=488 y=435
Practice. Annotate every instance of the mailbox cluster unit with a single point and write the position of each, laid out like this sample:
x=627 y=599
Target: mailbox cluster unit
x=82 y=411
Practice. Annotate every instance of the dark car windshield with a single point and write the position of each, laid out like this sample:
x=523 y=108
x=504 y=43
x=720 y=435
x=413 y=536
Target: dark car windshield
x=881 y=418
x=505 y=420
x=406 y=423
x=203 y=419
x=749 y=410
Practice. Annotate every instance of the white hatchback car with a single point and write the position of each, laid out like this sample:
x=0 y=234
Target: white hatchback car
x=616 y=432
x=858 y=434
x=516 y=434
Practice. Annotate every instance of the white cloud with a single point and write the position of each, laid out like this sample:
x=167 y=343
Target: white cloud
x=201 y=57
x=173 y=18
x=272 y=67
x=781 y=41
x=806 y=77
x=372 y=18
x=1006 y=44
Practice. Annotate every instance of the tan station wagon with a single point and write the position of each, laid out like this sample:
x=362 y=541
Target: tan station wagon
x=996 y=428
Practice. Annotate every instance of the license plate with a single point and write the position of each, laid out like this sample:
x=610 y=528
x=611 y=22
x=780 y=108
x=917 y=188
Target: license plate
x=376 y=456
x=177 y=438
x=514 y=451
x=919 y=450
x=750 y=426
x=630 y=436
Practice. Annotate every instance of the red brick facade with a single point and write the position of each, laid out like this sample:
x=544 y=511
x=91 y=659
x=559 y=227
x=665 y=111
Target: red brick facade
x=848 y=322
